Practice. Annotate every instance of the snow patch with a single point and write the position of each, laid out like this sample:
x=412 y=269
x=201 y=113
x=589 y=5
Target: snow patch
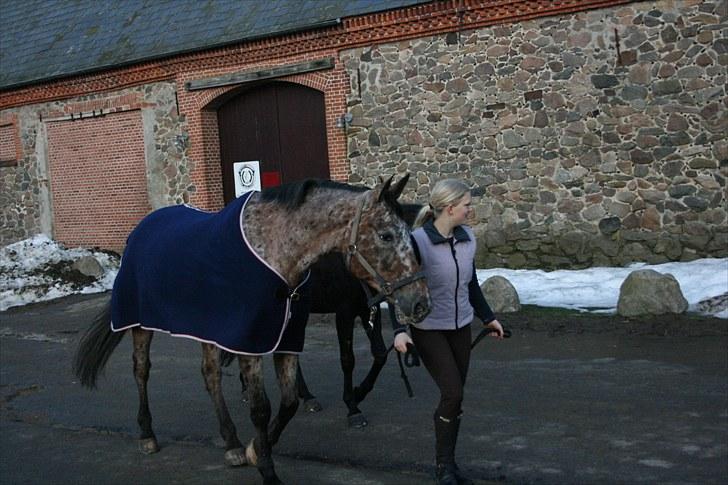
x=38 y=269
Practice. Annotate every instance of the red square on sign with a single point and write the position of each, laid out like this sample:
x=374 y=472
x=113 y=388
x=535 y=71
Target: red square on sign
x=270 y=179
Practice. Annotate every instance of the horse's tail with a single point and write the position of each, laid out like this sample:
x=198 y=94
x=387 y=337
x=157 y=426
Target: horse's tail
x=95 y=348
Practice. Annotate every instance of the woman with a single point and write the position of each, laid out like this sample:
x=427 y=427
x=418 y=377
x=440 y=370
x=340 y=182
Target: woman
x=445 y=247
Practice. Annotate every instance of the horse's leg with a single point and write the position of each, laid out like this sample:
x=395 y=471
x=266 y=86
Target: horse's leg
x=243 y=387
x=211 y=371
x=345 y=334
x=142 y=341
x=379 y=353
x=310 y=403
x=286 y=371
x=258 y=451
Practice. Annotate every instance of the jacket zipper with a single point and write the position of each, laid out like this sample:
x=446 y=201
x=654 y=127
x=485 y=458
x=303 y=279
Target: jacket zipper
x=457 y=280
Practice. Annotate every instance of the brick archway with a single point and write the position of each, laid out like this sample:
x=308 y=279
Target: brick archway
x=282 y=126
x=200 y=109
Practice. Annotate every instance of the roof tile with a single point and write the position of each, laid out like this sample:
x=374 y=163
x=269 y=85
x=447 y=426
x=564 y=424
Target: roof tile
x=43 y=39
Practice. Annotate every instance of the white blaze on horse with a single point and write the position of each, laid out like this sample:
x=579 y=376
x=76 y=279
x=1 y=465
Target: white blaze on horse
x=237 y=280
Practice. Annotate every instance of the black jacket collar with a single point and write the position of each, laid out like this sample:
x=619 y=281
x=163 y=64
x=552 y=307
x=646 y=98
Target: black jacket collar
x=435 y=237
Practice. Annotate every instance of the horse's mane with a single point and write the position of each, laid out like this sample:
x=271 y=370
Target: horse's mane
x=293 y=195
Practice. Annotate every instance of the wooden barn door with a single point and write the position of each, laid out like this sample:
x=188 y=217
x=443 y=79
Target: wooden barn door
x=281 y=125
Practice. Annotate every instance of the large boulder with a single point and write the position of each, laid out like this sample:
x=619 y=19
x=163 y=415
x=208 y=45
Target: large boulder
x=647 y=292
x=501 y=295
x=88 y=266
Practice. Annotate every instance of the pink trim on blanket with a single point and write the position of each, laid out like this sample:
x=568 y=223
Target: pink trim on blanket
x=247 y=243
x=198 y=339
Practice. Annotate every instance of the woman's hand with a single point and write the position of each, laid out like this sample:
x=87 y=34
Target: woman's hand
x=496 y=325
x=401 y=340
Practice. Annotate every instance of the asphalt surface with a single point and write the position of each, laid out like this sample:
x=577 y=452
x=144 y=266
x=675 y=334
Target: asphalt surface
x=543 y=408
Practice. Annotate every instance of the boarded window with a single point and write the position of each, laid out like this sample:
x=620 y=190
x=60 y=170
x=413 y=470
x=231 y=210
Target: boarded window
x=8 y=153
x=98 y=179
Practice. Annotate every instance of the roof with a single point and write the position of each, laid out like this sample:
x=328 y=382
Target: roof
x=42 y=40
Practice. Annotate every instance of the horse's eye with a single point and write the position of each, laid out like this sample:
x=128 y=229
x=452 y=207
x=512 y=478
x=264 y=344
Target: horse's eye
x=386 y=237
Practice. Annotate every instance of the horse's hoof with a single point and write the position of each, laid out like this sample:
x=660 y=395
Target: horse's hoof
x=250 y=455
x=148 y=446
x=312 y=406
x=357 y=421
x=235 y=457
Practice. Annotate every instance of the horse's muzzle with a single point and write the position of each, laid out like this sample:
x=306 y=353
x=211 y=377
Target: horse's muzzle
x=413 y=302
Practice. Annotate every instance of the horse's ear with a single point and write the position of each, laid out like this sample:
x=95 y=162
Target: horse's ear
x=381 y=189
x=396 y=191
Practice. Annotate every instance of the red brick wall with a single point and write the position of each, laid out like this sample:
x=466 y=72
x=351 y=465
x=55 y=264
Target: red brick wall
x=98 y=179
x=7 y=143
x=10 y=151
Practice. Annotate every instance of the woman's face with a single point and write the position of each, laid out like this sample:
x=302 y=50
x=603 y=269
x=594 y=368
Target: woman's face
x=460 y=212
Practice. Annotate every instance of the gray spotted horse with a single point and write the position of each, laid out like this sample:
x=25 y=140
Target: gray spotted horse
x=237 y=280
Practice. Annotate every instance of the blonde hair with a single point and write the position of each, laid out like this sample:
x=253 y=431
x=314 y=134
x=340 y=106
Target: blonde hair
x=445 y=192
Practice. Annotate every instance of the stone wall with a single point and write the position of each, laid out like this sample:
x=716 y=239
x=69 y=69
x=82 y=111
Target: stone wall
x=597 y=138
x=20 y=189
x=25 y=198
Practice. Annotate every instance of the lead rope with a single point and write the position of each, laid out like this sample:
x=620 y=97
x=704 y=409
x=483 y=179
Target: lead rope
x=411 y=359
x=486 y=331
x=403 y=375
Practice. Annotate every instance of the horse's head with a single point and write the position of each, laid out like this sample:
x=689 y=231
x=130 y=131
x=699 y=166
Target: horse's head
x=380 y=252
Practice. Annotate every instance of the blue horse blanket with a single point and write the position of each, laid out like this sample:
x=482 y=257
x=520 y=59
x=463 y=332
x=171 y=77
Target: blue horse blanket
x=192 y=273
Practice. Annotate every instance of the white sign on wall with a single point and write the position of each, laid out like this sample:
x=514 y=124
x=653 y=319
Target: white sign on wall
x=247 y=177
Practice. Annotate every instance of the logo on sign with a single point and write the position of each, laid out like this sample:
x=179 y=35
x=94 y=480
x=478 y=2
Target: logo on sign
x=246 y=176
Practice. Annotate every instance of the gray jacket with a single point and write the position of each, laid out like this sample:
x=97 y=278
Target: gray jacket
x=449 y=266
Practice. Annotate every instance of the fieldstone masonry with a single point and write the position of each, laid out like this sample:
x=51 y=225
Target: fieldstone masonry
x=598 y=138
x=20 y=190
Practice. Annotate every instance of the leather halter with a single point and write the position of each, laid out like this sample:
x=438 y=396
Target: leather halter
x=387 y=289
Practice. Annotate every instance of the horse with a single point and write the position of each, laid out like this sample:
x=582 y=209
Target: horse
x=335 y=290
x=184 y=270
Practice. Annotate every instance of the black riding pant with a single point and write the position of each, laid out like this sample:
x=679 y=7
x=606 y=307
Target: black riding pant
x=446 y=355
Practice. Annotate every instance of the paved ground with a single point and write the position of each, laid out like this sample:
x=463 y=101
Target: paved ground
x=570 y=399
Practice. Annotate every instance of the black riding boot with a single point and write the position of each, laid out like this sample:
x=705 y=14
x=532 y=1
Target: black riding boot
x=446 y=436
x=445 y=475
x=461 y=479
